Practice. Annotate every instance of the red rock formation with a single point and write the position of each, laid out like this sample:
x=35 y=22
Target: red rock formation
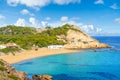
x=10 y=72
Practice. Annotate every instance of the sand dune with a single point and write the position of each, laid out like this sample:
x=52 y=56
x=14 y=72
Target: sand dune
x=29 y=54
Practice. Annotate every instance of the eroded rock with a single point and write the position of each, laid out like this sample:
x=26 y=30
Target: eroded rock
x=7 y=72
x=42 y=77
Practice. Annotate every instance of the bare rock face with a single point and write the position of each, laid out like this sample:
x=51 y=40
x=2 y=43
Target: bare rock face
x=80 y=40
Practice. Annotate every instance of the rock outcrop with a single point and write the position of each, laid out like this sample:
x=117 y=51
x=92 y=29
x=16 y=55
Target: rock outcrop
x=76 y=39
x=42 y=77
x=7 y=72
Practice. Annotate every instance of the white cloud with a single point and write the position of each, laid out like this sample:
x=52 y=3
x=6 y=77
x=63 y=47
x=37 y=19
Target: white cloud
x=20 y=22
x=44 y=24
x=34 y=4
x=2 y=25
x=98 y=30
x=114 y=6
x=64 y=19
x=47 y=18
x=59 y=23
x=91 y=29
x=2 y=17
x=39 y=3
x=38 y=24
x=72 y=22
x=26 y=12
x=117 y=20
x=13 y=2
x=74 y=18
x=61 y=2
x=33 y=21
x=55 y=24
x=87 y=28
x=99 y=2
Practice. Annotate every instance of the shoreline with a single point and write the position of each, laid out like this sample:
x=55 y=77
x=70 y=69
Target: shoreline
x=30 y=54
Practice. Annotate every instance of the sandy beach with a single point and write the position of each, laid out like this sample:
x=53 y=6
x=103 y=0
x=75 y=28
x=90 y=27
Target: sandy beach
x=29 y=54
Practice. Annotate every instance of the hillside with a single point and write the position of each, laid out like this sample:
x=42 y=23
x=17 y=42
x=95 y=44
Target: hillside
x=17 y=30
x=77 y=40
x=69 y=35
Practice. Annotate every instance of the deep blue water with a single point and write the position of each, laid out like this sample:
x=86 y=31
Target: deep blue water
x=101 y=65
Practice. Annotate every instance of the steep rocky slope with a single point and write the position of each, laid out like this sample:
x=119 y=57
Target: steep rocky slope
x=7 y=72
x=76 y=39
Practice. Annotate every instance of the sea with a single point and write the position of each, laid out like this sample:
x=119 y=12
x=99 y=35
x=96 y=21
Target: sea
x=102 y=64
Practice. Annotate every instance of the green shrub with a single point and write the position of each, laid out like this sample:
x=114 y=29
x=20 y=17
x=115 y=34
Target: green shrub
x=13 y=77
x=2 y=68
x=7 y=50
x=1 y=63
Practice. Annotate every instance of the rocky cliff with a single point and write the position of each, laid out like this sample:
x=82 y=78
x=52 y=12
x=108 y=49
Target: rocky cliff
x=7 y=72
x=76 y=39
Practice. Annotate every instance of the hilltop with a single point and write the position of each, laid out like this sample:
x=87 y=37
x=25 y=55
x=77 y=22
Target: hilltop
x=70 y=36
x=12 y=30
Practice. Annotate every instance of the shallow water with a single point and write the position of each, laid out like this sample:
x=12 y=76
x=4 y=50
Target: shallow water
x=84 y=65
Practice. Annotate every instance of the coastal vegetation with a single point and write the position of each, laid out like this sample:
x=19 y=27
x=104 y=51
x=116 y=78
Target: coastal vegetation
x=28 y=37
x=13 y=77
x=10 y=50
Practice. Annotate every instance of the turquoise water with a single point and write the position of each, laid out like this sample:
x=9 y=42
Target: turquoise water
x=84 y=65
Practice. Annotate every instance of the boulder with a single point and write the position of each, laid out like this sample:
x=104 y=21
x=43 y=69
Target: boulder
x=42 y=77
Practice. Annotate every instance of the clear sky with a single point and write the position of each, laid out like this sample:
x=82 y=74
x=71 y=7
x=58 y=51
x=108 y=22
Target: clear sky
x=96 y=17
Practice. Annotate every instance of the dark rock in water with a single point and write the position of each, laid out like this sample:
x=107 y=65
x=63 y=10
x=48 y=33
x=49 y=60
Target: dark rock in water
x=42 y=77
x=36 y=77
x=46 y=77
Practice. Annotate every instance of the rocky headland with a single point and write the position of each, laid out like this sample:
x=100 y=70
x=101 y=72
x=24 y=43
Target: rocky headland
x=7 y=72
x=77 y=39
